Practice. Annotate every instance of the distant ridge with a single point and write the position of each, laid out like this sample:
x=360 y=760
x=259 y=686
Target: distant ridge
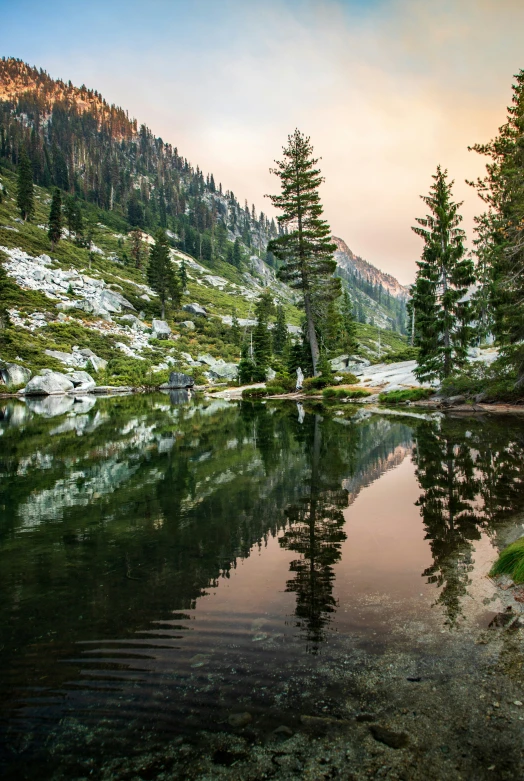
x=348 y=261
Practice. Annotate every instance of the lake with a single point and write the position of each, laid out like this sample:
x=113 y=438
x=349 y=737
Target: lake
x=212 y=589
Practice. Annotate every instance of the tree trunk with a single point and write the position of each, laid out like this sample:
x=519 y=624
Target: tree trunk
x=312 y=335
x=163 y=310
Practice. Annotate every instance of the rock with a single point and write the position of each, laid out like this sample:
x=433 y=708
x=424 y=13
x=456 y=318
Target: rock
x=207 y=359
x=178 y=380
x=480 y=397
x=361 y=414
x=452 y=400
x=222 y=371
x=239 y=720
x=12 y=374
x=388 y=737
x=76 y=360
x=160 y=329
x=270 y=374
x=47 y=383
x=82 y=381
x=108 y=390
x=195 y=309
x=97 y=364
x=189 y=324
x=134 y=322
x=283 y=731
x=187 y=358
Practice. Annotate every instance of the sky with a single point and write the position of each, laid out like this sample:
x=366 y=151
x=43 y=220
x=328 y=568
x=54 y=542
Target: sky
x=386 y=90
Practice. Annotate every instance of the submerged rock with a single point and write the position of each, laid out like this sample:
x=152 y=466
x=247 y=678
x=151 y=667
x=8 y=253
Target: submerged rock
x=239 y=720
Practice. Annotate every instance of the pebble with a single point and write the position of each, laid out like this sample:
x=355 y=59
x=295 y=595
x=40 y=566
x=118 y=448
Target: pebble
x=239 y=719
x=517 y=702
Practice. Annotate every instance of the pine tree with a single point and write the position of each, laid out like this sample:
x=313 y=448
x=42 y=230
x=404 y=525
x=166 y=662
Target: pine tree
x=246 y=367
x=305 y=249
x=137 y=249
x=442 y=330
x=237 y=253
x=236 y=334
x=4 y=314
x=55 y=219
x=25 y=193
x=349 y=325
x=161 y=274
x=262 y=336
x=74 y=220
x=501 y=229
x=182 y=274
x=280 y=334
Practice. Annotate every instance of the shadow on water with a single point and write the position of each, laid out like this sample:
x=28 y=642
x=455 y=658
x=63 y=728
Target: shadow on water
x=127 y=522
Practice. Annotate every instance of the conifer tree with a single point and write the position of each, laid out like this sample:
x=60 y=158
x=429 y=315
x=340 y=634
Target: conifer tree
x=237 y=253
x=442 y=330
x=74 y=220
x=348 y=324
x=280 y=335
x=246 y=367
x=236 y=334
x=501 y=229
x=4 y=314
x=182 y=274
x=305 y=248
x=261 y=335
x=137 y=250
x=55 y=219
x=161 y=274
x=25 y=193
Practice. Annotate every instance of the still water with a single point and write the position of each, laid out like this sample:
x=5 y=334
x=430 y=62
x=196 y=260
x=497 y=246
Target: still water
x=180 y=578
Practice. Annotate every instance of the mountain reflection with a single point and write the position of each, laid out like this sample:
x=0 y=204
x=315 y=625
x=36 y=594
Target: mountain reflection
x=471 y=476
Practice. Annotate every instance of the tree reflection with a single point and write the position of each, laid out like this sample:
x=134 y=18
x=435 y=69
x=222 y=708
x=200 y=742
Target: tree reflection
x=316 y=533
x=471 y=481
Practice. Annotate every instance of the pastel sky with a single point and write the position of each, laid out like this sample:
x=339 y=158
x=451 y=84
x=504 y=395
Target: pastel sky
x=386 y=89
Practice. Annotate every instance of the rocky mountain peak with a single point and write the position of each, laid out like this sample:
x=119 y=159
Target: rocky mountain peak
x=350 y=263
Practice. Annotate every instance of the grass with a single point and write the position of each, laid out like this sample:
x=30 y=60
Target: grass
x=401 y=396
x=511 y=562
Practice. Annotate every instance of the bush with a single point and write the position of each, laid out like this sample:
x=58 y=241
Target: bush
x=496 y=382
x=407 y=354
x=316 y=383
x=345 y=393
x=346 y=378
x=511 y=562
x=410 y=394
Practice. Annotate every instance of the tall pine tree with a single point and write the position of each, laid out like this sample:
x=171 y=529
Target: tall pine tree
x=25 y=195
x=262 y=336
x=442 y=330
x=305 y=248
x=161 y=274
x=280 y=335
x=501 y=230
x=55 y=219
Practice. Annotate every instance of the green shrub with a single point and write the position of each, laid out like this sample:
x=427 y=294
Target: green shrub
x=410 y=394
x=345 y=393
x=315 y=383
x=284 y=381
x=346 y=378
x=406 y=354
x=496 y=382
x=511 y=562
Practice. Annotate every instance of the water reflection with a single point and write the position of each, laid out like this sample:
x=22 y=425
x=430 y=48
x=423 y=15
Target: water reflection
x=118 y=520
x=315 y=532
x=471 y=476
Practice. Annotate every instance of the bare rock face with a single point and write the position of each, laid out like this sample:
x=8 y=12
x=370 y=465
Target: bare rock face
x=160 y=329
x=48 y=383
x=82 y=381
x=195 y=309
x=179 y=380
x=12 y=374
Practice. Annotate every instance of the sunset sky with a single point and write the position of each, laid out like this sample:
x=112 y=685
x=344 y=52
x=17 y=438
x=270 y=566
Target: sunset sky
x=386 y=90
